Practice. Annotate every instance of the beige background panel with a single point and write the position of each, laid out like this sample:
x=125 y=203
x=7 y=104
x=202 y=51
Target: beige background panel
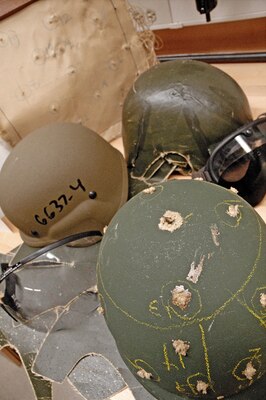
x=60 y=62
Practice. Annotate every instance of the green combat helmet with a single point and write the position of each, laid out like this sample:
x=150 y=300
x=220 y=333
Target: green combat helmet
x=181 y=274
x=174 y=115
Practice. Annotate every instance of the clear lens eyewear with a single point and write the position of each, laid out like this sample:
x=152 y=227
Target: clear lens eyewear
x=50 y=278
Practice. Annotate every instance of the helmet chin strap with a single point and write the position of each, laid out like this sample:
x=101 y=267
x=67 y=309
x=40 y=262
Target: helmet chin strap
x=6 y=271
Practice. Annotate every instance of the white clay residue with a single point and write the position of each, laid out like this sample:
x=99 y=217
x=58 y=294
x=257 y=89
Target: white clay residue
x=215 y=234
x=93 y=289
x=195 y=270
x=181 y=346
x=170 y=221
x=149 y=190
x=144 y=374
x=250 y=371
x=263 y=299
x=100 y=310
x=202 y=387
x=181 y=297
x=233 y=210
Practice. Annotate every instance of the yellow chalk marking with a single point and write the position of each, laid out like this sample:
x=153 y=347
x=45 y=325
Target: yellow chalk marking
x=195 y=320
x=166 y=359
x=229 y=202
x=207 y=364
x=252 y=312
x=144 y=365
x=181 y=361
x=192 y=387
x=153 y=308
x=169 y=308
x=258 y=308
x=256 y=356
x=188 y=216
x=179 y=388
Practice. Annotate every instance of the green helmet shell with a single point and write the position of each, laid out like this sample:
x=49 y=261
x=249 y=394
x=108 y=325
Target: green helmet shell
x=181 y=275
x=174 y=113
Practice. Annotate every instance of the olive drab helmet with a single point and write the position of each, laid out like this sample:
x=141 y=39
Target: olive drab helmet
x=181 y=276
x=174 y=114
x=60 y=180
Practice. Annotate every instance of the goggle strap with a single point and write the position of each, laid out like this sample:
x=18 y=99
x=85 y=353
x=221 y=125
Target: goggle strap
x=202 y=174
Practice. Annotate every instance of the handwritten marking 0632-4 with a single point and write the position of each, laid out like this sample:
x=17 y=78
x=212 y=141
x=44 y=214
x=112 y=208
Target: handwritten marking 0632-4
x=57 y=205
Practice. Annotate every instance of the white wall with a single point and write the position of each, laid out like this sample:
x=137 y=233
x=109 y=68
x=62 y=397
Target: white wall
x=178 y=13
x=4 y=151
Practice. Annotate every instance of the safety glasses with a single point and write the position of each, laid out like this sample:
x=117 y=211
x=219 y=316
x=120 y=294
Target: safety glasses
x=50 y=278
x=7 y=270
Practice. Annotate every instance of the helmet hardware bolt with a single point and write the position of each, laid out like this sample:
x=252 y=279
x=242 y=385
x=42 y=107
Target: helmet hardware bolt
x=248 y=132
x=92 y=195
x=35 y=233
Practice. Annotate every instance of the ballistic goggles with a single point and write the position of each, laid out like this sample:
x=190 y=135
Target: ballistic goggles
x=239 y=162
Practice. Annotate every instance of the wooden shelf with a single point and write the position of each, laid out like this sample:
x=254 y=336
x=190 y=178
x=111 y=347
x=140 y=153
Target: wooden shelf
x=9 y=7
x=245 y=36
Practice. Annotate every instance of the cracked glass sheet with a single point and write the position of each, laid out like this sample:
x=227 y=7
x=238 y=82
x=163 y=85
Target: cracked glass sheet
x=44 y=339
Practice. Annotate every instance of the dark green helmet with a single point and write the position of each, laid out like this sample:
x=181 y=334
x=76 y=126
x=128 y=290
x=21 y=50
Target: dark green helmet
x=181 y=274
x=174 y=114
